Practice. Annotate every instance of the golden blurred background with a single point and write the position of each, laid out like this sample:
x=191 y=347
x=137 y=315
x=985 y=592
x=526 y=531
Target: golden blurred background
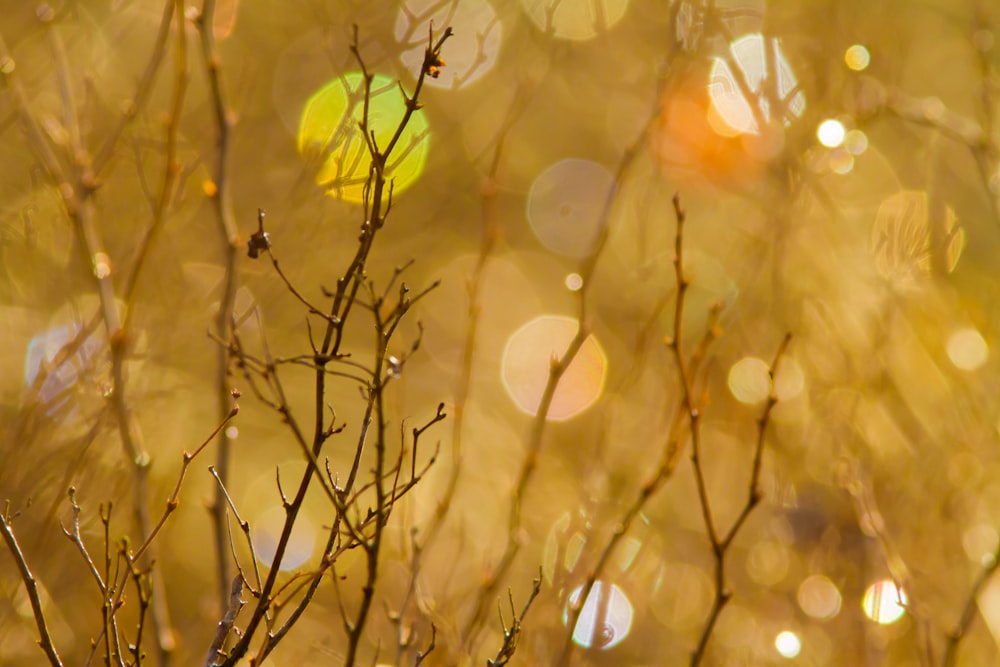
x=839 y=165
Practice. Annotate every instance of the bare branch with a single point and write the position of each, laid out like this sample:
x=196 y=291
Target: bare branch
x=30 y=587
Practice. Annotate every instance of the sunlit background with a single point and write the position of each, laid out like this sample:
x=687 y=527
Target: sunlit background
x=839 y=162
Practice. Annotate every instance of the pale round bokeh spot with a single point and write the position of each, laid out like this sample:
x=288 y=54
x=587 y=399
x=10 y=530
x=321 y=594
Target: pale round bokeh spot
x=737 y=628
x=831 y=133
x=683 y=598
x=901 y=238
x=266 y=530
x=574 y=282
x=967 y=349
x=790 y=381
x=606 y=617
x=577 y=20
x=260 y=504
x=768 y=562
x=749 y=380
x=980 y=542
x=729 y=101
x=857 y=57
x=841 y=161
x=511 y=297
x=565 y=205
x=819 y=597
x=87 y=361
x=788 y=644
x=856 y=142
x=469 y=54
x=330 y=138
x=884 y=603
x=528 y=357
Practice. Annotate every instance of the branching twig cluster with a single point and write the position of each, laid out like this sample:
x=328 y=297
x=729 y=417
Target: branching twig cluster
x=513 y=633
x=76 y=170
x=694 y=407
x=111 y=571
x=258 y=602
x=362 y=507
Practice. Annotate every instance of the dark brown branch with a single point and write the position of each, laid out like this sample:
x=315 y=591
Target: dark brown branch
x=30 y=587
x=228 y=233
x=719 y=545
x=512 y=634
x=225 y=625
x=77 y=539
x=430 y=647
x=173 y=502
x=245 y=527
x=343 y=300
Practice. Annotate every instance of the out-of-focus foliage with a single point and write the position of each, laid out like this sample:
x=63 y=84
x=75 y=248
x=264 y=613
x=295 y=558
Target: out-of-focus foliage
x=839 y=162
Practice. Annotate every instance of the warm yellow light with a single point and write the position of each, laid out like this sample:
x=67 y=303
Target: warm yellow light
x=831 y=133
x=980 y=542
x=566 y=205
x=574 y=282
x=884 y=603
x=740 y=109
x=331 y=139
x=857 y=57
x=683 y=598
x=967 y=349
x=856 y=142
x=790 y=380
x=819 y=597
x=788 y=644
x=841 y=162
x=767 y=563
x=578 y=21
x=267 y=530
x=901 y=237
x=102 y=265
x=471 y=52
x=750 y=380
x=605 y=619
x=528 y=358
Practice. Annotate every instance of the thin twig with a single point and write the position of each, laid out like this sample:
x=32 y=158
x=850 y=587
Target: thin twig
x=430 y=647
x=245 y=527
x=228 y=233
x=77 y=539
x=693 y=408
x=174 y=500
x=557 y=369
x=343 y=299
x=512 y=634
x=30 y=587
x=225 y=625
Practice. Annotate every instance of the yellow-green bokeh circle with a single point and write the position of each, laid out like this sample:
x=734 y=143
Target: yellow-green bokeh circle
x=329 y=135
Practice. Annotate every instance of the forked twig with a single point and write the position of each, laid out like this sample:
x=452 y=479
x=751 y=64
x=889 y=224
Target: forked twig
x=693 y=407
x=30 y=587
x=512 y=634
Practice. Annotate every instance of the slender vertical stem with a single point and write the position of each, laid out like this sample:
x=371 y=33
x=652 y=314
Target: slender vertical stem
x=228 y=232
x=31 y=588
